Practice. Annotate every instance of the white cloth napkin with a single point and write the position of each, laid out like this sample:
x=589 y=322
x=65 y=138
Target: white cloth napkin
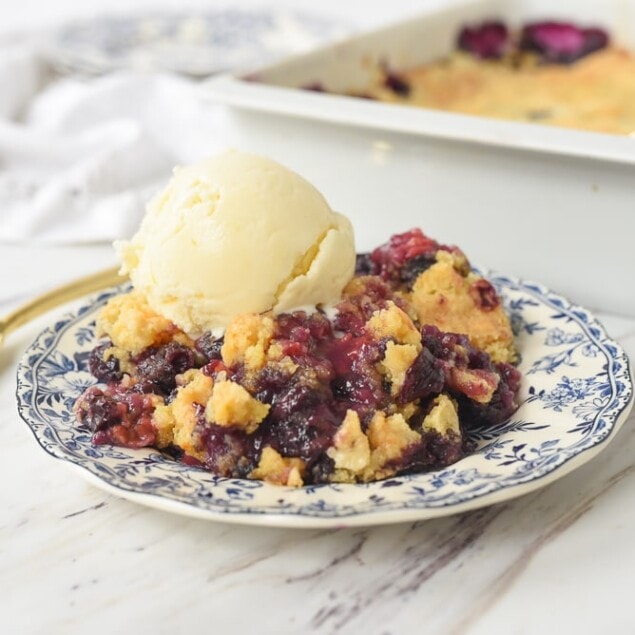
x=79 y=158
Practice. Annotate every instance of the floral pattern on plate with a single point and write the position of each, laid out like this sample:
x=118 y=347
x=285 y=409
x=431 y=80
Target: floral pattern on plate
x=577 y=391
x=191 y=43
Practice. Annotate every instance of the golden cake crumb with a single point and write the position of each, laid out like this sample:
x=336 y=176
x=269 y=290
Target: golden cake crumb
x=394 y=323
x=132 y=325
x=443 y=297
x=232 y=405
x=388 y=437
x=164 y=423
x=278 y=470
x=350 y=451
x=356 y=286
x=480 y=386
x=595 y=93
x=407 y=411
x=122 y=356
x=398 y=358
x=247 y=339
x=443 y=417
x=277 y=358
x=184 y=413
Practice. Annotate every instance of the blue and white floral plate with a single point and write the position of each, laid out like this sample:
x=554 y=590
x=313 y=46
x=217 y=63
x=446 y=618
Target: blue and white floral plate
x=194 y=43
x=576 y=393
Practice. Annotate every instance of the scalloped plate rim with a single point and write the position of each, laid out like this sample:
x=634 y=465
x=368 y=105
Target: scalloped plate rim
x=294 y=520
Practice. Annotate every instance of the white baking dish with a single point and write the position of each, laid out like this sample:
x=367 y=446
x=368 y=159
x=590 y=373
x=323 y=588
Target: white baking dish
x=348 y=65
x=549 y=204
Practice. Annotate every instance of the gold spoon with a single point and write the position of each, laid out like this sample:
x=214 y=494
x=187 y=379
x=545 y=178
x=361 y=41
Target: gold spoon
x=60 y=295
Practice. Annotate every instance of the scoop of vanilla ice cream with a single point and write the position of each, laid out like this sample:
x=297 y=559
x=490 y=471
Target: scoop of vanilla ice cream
x=233 y=234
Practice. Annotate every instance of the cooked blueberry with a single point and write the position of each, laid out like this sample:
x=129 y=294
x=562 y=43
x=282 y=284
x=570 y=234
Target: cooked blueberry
x=269 y=382
x=304 y=435
x=389 y=258
x=503 y=403
x=98 y=411
x=423 y=378
x=104 y=367
x=321 y=469
x=414 y=267
x=484 y=294
x=397 y=84
x=561 y=42
x=358 y=389
x=359 y=305
x=316 y=87
x=298 y=396
x=364 y=266
x=161 y=364
x=209 y=346
x=224 y=447
x=301 y=328
x=442 y=345
x=488 y=40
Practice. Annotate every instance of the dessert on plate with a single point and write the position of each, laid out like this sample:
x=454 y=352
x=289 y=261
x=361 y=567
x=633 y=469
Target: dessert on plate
x=255 y=343
x=552 y=73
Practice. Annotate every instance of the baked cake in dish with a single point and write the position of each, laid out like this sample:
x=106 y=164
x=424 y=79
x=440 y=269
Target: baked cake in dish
x=390 y=380
x=550 y=73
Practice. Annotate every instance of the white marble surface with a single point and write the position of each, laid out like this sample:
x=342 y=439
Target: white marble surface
x=76 y=560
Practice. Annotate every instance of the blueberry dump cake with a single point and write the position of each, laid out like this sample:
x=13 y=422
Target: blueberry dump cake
x=552 y=73
x=401 y=352
x=381 y=384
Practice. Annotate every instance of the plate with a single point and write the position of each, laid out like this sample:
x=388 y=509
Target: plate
x=576 y=393
x=192 y=43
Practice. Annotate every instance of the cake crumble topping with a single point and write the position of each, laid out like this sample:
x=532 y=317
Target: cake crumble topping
x=417 y=352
